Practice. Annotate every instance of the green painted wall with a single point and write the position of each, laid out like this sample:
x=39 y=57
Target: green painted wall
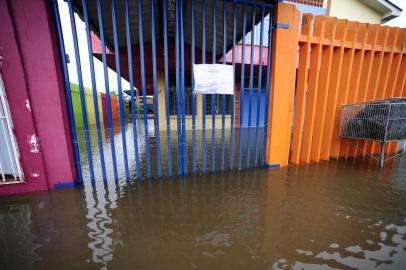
x=77 y=108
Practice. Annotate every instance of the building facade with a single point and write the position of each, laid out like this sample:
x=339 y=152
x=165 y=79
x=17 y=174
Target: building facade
x=365 y=11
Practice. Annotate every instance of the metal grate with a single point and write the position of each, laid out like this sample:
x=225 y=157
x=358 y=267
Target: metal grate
x=10 y=170
x=382 y=120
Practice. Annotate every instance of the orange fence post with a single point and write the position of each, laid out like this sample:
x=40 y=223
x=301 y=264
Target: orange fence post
x=282 y=87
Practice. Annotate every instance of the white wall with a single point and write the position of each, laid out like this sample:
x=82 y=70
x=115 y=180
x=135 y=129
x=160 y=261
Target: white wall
x=84 y=56
x=354 y=10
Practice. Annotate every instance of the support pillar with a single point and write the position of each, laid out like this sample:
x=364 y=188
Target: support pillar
x=282 y=87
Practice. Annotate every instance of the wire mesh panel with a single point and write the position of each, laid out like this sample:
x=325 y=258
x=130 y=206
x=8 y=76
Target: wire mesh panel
x=396 y=126
x=381 y=120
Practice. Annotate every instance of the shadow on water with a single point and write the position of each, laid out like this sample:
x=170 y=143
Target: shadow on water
x=332 y=215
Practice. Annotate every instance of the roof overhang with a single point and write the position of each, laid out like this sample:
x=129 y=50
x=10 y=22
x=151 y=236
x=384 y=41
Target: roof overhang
x=157 y=17
x=385 y=8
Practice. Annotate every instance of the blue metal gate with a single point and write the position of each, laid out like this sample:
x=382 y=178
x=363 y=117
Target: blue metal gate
x=142 y=40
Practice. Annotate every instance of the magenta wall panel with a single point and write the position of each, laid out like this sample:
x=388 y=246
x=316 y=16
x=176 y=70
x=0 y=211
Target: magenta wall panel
x=34 y=87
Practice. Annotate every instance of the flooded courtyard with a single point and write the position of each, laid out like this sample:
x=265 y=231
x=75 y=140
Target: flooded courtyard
x=256 y=138
x=333 y=215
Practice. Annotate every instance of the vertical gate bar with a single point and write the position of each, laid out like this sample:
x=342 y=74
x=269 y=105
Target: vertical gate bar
x=213 y=96
x=178 y=101
x=131 y=78
x=157 y=133
x=261 y=45
x=107 y=86
x=203 y=95
x=232 y=97
x=62 y=53
x=244 y=19
x=93 y=78
x=168 y=119
x=81 y=91
x=183 y=90
x=144 y=90
x=268 y=74
x=192 y=83
x=253 y=14
x=223 y=97
x=120 y=89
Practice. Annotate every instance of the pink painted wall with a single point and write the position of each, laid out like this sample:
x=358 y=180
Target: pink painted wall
x=32 y=74
x=247 y=57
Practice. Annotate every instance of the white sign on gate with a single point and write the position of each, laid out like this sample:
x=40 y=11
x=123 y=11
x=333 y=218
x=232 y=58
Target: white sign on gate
x=213 y=79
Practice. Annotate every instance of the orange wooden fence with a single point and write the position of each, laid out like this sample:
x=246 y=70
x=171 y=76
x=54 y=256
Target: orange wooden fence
x=337 y=62
x=342 y=62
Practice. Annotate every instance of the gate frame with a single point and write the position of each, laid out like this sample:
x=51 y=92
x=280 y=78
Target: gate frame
x=180 y=74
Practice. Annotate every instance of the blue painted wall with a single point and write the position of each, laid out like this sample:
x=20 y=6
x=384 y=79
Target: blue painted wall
x=255 y=104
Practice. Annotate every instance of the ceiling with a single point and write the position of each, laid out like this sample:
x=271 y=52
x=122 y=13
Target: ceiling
x=158 y=15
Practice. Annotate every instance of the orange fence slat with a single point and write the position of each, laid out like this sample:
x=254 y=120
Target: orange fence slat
x=373 y=32
x=355 y=79
x=324 y=78
x=376 y=77
x=382 y=91
x=311 y=99
x=397 y=60
x=302 y=75
x=334 y=83
x=400 y=92
x=345 y=74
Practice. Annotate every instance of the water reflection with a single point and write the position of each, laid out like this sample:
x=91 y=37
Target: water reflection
x=17 y=243
x=164 y=150
x=99 y=201
x=333 y=215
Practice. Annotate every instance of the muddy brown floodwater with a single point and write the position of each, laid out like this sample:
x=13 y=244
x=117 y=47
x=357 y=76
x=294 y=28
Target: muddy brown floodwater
x=333 y=215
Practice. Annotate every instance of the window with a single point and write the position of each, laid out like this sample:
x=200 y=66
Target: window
x=218 y=104
x=172 y=100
